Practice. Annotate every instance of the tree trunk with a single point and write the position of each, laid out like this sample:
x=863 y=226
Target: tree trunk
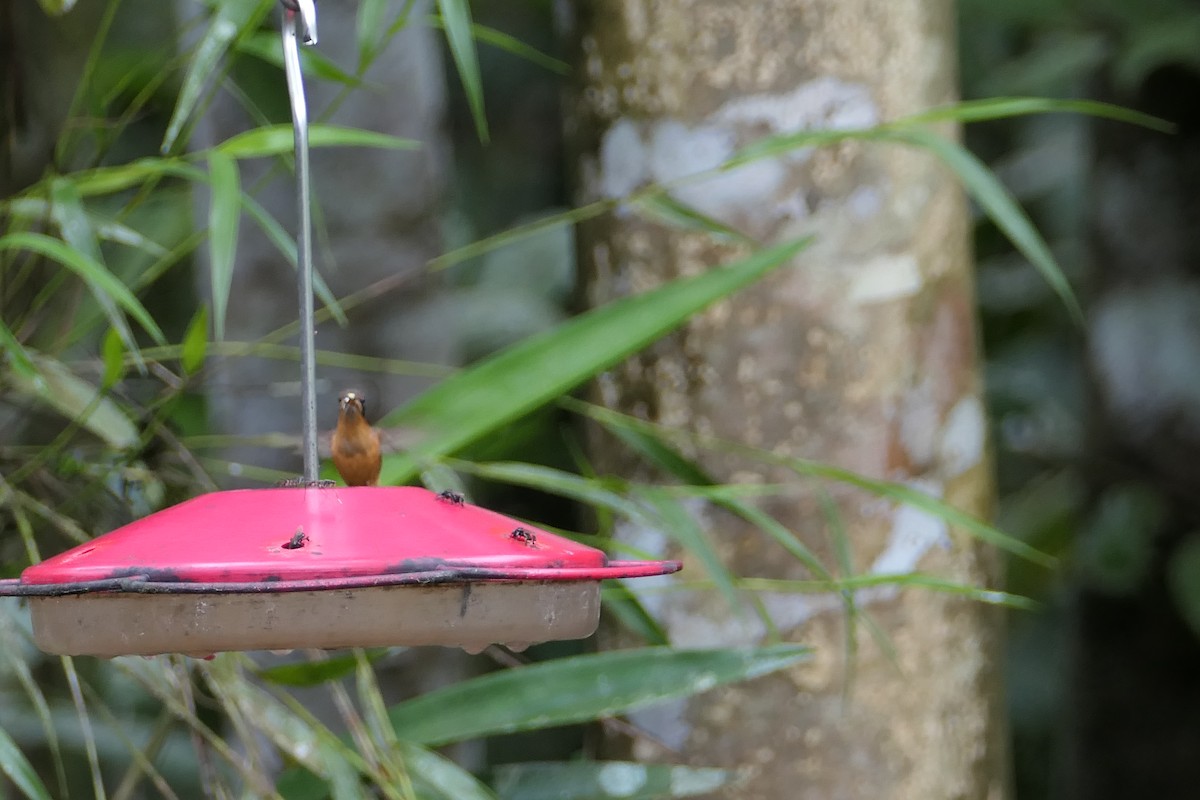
x=862 y=353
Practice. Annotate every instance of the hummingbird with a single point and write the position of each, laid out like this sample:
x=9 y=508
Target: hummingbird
x=356 y=448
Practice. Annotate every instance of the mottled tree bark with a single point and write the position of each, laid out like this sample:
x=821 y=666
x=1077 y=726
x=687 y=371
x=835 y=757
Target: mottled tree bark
x=861 y=353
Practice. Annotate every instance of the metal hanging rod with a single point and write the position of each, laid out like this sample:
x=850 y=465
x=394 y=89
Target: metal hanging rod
x=300 y=21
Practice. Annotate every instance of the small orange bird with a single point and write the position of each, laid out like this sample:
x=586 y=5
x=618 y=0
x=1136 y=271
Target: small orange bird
x=356 y=450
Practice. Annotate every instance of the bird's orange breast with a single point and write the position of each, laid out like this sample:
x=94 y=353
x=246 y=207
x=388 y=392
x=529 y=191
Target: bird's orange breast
x=356 y=452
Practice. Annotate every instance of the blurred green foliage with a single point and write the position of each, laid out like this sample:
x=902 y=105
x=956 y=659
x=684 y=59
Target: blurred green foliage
x=1044 y=404
x=106 y=348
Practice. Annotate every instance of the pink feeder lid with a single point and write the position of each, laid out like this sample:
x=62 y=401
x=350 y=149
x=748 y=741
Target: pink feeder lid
x=290 y=539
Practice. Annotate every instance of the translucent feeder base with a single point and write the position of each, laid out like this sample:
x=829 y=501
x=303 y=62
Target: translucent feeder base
x=471 y=616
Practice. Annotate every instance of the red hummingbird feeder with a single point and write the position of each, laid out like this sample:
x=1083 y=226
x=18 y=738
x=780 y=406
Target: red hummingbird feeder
x=323 y=567
x=316 y=566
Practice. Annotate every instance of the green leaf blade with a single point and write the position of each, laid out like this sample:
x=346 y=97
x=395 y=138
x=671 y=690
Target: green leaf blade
x=496 y=391
x=575 y=689
x=675 y=521
x=1007 y=107
x=15 y=767
x=667 y=209
x=75 y=227
x=224 y=217
x=924 y=502
x=274 y=140
x=369 y=24
x=233 y=18
x=513 y=46
x=194 y=347
x=109 y=180
x=56 y=387
x=314 y=673
x=286 y=246
x=112 y=352
x=1000 y=206
x=103 y=283
x=441 y=774
x=264 y=46
x=456 y=19
x=18 y=357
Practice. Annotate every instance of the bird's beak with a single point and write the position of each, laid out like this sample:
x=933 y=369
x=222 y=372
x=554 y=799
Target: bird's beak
x=350 y=402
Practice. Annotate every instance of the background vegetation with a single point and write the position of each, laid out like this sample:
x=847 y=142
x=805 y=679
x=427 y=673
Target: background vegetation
x=108 y=346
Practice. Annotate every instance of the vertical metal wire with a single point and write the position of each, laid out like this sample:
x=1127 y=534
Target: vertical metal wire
x=304 y=25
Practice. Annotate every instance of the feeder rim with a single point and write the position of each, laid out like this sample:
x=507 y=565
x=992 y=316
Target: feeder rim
x=145 y=584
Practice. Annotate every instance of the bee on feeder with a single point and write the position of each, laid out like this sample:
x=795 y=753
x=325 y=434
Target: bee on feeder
x=297 y=541
x=524 y=535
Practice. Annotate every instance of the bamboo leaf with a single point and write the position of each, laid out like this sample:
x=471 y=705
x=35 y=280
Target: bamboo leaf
x=896 y=579
x=108 y=180
x=591 y=491
x=1000 y=206
x=513 y=46
x=502 y=388
x=112 y=352
x=195 y=343
x=75 y=398
x=290 y=727
x=264 y=46
x=123 y=234
x=456 y=19
x=659 y=452
x=274 y=140
x=12 y=647
x=314 y=673
x=76 y=229
x=17 y=769
x=1006 y=107
x=102 y=282
x=18 y=357
x=233 y=18
x=655 y=450
x=441 y=774
x=675 y=521
x=665 y=208
x=286 y=245
x=36 y=209
x=895 y=491
x=925 y=502
x=780 y=533
x=369 y=25
x=224 y=217
x=575 y=689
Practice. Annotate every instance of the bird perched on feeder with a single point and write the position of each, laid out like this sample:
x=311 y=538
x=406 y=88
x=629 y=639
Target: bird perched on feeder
x=356 y=449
